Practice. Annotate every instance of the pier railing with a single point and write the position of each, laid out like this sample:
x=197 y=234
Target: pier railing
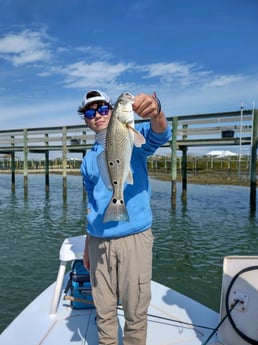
x=229 y=128
x=214 y=129
x=39 y=140
x=225 y=129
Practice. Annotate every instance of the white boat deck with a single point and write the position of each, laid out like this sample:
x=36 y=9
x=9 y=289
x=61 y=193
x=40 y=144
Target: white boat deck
x=35 y=326
x=172 y=317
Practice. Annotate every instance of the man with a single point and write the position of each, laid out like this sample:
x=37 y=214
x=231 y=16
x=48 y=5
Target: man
x=119 y=254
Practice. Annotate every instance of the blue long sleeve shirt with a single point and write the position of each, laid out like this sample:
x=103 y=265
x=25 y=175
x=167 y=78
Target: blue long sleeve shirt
x=136 y=196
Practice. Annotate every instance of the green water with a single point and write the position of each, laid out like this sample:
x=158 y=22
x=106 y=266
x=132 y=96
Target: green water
x=190 y=241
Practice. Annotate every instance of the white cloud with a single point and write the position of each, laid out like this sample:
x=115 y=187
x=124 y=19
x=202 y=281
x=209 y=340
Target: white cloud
x=182 y=87
x=172 y=68
x=25 y=47
x=187 y=75
x=82 y=74
x=34 y=46
x=223 y=80
x=199 y=99
x=95 y=52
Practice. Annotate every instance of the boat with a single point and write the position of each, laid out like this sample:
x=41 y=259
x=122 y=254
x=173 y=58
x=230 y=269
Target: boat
x=173 y=318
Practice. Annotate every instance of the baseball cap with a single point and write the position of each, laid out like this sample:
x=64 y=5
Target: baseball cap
x=94 y=96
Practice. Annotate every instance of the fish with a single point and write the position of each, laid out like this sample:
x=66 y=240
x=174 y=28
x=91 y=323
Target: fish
x=120 y=139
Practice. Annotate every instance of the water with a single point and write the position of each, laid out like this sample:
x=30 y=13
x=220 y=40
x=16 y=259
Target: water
x=190 y=241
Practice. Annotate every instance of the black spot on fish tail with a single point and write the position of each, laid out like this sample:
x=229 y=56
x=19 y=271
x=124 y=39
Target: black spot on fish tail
x=117 y=202
x=116 y=211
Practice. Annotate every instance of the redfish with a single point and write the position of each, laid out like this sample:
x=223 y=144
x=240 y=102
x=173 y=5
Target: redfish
x=120 y=139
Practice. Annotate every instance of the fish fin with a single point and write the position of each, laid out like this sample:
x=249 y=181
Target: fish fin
x=139 y=139
x=116 y=211
x=103 y=170
x=129 y=177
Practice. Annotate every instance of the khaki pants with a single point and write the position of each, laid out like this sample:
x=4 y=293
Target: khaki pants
x=121 y=269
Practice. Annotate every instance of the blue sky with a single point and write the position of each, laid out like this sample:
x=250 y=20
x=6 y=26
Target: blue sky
x=200 y=56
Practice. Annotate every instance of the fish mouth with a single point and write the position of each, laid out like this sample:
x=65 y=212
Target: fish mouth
x=129 y=96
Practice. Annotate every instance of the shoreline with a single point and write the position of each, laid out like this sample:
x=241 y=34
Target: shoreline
x=200 y=177
x=208 y=178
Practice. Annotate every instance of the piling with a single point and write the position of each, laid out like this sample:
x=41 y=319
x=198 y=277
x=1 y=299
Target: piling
x=173 y=145
x=254 y=145
x=64 y=162
x=25 y=161
x=184 y=174
x=47 y=171
x=46 y=164
x=12 y=164
x=13 y=171
x=184 y=165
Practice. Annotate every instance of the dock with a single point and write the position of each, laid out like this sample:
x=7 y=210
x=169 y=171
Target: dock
x=236 y=128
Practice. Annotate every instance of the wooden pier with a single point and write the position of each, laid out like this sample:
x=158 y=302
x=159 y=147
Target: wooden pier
x=237 y=128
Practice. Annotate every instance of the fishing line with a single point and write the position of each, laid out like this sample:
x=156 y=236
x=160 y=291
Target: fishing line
x=173 y=320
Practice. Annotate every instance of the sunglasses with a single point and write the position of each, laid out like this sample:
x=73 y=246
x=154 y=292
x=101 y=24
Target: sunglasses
x=102 y=110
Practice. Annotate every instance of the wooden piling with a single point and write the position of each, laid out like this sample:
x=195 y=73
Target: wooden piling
x=13 y=171
x=25 y=161
x=12 y=164
x=253 y=172
x=184 y=173
x=173 y=145
x=184 y=165
x=46 y=165
x=64 y=162
x=47 y=171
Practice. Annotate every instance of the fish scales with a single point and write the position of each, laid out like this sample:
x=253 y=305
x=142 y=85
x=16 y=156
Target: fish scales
x=120 y=139
x=118 y=158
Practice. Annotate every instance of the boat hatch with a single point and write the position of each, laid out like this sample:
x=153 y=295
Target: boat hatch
x=239 y=301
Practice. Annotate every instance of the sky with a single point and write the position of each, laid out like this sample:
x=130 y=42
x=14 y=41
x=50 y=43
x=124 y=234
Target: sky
x=199 y=56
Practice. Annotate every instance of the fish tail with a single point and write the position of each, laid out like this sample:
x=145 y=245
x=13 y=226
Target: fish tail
x=116 y=211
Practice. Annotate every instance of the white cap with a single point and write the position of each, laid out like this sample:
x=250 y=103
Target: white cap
x=100 y=96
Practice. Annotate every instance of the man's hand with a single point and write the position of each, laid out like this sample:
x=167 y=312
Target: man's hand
x=85 y=258
x=145 y=106
x=148 y=107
